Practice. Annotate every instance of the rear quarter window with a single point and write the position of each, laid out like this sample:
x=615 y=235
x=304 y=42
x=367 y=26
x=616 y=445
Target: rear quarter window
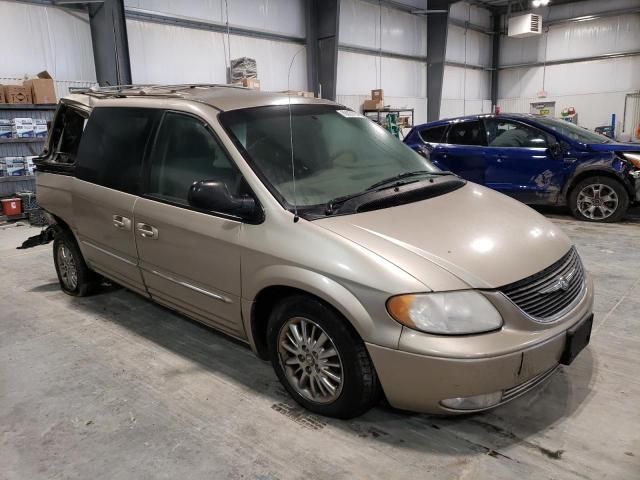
x=433 y=134
x=113 y=146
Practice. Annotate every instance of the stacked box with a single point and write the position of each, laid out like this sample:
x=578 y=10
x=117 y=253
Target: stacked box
x=13 y=166
x=29 y=166
x=22 y=128
x=39 y=128
x=5 y=128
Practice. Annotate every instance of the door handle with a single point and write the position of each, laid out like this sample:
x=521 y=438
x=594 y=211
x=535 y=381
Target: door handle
x=122 y=222
x=147 y=231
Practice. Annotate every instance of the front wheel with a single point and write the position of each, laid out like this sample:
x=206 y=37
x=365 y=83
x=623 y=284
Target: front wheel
x=599 y=199
x=320 y=360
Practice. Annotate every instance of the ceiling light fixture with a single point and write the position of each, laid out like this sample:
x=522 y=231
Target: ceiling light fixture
x=540 y=3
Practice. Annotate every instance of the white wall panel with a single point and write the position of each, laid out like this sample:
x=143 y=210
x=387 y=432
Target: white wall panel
x=462 y=83
x=574 y=40
x=478 y=46
x=170 y=54
x=279 y=16
x=470 y=13
x=357 y=74
x=58 y=41
x=611 y=75
x=401 y=32
x=450 y=108
x=590 y=7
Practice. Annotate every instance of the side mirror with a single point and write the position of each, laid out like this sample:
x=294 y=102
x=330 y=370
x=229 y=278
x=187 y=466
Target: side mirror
x=212 y=195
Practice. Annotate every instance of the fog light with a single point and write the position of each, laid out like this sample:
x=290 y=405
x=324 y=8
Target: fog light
x=476 y=402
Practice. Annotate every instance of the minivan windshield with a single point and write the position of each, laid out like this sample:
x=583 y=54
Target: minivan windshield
x=572 y=131
x=337 y=152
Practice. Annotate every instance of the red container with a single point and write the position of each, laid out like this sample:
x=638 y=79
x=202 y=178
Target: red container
x=12 y=206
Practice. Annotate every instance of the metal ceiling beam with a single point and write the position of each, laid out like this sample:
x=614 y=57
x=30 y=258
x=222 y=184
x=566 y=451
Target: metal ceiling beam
x=189 y=22
x=110 y=42
x=606 y=56
x=381 y=53
x=323 y=23
x=595 y=16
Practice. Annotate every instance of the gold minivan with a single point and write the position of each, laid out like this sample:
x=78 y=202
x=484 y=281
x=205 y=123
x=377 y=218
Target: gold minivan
x=309 y=232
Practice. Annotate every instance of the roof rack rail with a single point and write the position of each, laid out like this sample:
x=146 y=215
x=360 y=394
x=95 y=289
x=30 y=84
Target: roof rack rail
x=142 y=90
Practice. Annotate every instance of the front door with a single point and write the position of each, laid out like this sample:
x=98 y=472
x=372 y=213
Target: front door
x=190 y=260
x=520 y=162
x=463 y=152
x=108 y=175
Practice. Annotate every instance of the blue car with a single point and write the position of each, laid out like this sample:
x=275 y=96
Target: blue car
x=537 y=160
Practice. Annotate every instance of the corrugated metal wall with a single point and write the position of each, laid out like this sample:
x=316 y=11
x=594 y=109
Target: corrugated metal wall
x=404 y=81
x=595 y=88
x=465 y=90
x=37 y=37
x=173 y=54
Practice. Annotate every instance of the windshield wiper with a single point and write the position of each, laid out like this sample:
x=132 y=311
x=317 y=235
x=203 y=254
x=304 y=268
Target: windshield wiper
x=395 y=181
x=402 y=176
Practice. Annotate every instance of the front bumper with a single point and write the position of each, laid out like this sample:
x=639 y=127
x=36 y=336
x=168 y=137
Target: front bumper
x=426 y=369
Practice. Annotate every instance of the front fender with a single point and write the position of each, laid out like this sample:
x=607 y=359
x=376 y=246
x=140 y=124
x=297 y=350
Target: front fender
x=373 y=323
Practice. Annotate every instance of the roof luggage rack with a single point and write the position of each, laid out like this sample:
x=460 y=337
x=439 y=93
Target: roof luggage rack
x=145 y=90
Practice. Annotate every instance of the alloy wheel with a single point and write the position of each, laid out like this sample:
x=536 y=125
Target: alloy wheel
x=67 y=267
x=310 y=360
x=597 y=201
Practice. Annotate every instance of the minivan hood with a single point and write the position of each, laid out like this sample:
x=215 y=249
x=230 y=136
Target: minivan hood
x=614 y=147
x=484 y=238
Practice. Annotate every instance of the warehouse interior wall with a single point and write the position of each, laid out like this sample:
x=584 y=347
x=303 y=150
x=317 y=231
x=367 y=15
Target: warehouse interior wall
x=38 y=37
x=373 y=26
x=596 y=89
x=162 y=53
x=467 y=90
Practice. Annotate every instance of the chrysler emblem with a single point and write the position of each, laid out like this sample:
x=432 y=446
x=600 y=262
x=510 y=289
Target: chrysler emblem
x=560 y=283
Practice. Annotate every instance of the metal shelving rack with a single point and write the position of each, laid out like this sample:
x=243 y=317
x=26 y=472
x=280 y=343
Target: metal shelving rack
x=21 y=147
x=399 y=111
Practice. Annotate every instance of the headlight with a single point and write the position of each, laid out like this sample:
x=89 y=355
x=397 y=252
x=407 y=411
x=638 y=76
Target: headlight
x=633 y=158
x=445 y=313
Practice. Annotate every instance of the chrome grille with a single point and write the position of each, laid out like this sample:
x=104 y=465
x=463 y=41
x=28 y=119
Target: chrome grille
x=550 y=291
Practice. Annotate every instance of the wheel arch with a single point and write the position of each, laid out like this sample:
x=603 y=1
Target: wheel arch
x=595 y=172
x=288 y=281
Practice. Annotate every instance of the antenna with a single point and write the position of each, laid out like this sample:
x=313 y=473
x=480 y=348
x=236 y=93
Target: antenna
x=293 y=165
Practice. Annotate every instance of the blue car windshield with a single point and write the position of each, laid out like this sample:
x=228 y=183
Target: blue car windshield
x=572 y=131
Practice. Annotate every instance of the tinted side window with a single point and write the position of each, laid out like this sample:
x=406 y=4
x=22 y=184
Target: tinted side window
x=113 y=145
x=433 y=134
x=186 y=152
x=466 y=133
x=504 y=133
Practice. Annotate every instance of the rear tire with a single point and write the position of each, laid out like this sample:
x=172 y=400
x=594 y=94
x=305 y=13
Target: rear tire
x=76 y=279
x=599 y=199
x=312 y=346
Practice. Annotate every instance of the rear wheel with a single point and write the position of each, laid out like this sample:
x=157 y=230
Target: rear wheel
x=599 y=199
x=320 y=360
x=75 y=277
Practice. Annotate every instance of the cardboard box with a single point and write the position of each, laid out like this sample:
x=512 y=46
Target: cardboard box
x=252 y=83
x=377 y=95
x=42 y=89
x=40 y=128
x=5 y=128
x=14 y=166
x=372 y=105
x=22 y=128
x=17 y=94
x=29 y=166
x=2 y=100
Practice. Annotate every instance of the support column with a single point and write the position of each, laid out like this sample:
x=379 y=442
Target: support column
x=437 y=28
x=495 y=59
x=110 y=43
x=322 y=46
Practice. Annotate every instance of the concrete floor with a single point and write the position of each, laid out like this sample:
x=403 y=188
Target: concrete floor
x=115 y=387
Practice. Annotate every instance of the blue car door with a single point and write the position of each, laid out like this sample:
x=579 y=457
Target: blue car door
x=520 y=162
x=463 y=150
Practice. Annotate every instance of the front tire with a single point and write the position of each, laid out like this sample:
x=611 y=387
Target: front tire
x=76 y=279
x=599 y=199
x=320 y=359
